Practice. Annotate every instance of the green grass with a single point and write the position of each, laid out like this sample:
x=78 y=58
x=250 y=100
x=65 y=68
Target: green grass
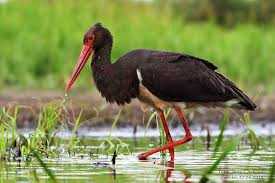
x=40 y=40
x=114 y=145
x=272 y=173
x=40 y=146
x=8 y=119
x=224 y=148
x=227 y=148
x=45 y=167
x=230 y=147
x=223 y=126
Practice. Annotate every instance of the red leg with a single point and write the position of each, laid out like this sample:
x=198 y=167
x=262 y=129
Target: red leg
x=187 y=138
x=168 y=137
x=184 y=123
x=170 y=168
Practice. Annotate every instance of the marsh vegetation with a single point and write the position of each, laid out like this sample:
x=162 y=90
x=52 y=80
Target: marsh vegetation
x=39 y=44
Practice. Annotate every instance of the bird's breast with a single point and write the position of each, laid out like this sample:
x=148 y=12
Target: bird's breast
x=116 y=86
x=146 y=97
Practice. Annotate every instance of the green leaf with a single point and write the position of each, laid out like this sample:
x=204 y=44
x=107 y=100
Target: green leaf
x=44 y=166
x=223 y=126
x=229 y=148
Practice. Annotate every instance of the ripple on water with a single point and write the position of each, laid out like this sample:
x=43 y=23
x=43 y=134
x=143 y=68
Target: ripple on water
x=239 y=166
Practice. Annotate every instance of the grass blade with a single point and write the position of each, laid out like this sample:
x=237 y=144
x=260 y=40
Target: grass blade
x=115 y=122
x=223 y=125
x=272 y=173
x=232 y=146
x=45 y=167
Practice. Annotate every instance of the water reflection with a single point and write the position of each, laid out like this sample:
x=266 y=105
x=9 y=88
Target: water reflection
x=191 y=160
x=172 y=175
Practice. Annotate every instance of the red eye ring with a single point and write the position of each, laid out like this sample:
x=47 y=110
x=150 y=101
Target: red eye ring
x=90 y=40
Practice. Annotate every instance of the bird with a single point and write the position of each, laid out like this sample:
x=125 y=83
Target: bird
x=159 y=80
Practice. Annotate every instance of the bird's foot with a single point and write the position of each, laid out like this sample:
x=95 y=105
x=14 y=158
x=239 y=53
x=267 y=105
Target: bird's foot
x=172 y=155
x=142 y=156
x=170 y=147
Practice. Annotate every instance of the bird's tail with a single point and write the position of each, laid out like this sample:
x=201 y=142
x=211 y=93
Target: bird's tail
x=244 y=102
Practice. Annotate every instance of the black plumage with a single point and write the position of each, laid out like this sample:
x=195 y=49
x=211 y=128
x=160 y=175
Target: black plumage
x=172 y=77
x=158 y=78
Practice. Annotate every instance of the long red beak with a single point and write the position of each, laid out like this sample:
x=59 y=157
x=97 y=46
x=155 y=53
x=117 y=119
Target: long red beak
x=82 y=60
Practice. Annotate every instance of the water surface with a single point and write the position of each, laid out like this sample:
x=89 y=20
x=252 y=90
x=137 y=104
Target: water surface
x=89 y=163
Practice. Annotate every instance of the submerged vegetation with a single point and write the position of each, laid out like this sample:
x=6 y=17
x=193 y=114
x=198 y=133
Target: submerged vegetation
x=42 y=144
x=39 y=44
x=53 y=118
x=41 y=40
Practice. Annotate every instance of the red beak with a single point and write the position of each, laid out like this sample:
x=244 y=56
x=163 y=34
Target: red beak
x=82 y=60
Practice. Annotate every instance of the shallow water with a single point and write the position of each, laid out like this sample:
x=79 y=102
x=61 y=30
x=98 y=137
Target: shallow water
x=260 y=128
x=87 y=164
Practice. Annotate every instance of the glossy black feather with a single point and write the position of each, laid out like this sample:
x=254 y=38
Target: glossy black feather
x=141 y=56
x=170 y=76
x=116 y=82
x=190 y=80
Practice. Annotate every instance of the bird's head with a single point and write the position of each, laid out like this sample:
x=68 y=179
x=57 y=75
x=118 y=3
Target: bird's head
x=94 y=39
x=97 y=37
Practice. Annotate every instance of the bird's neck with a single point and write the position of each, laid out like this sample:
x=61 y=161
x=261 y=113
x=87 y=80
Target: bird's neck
x=101 y=64
x=102 y=56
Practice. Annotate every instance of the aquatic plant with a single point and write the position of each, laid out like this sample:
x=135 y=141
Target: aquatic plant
x=74 y=140
x=43 y=136
x=8 y=131
x=150 y=119
x=41 y=143
x=223 y=125
x=114 y=144
x=231 y=145
x=44 y=166
x=254 y=141
x=271 y=178
x=227 y=150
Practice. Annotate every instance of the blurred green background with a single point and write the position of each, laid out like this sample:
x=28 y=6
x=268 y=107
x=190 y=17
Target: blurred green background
x=40 y=39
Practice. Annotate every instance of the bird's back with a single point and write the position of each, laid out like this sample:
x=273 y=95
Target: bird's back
x=176 y=77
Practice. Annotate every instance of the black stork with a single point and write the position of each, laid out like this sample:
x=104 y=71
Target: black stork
x=159 y=79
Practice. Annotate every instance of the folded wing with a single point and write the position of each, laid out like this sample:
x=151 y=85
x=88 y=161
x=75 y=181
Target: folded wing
x=183 y=80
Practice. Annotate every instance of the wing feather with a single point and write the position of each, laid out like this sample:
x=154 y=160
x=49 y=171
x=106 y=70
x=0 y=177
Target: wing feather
x=185 y=82
x=182 y=78
x=140 y=56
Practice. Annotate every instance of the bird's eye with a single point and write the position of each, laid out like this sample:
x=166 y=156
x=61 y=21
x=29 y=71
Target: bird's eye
x=90 y=38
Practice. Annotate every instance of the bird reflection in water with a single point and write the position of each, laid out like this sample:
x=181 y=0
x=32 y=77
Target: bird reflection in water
x=167 y=174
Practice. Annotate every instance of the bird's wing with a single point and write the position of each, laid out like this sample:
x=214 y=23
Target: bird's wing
x=178 y=57
x=141 y=56
x=181 y=81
